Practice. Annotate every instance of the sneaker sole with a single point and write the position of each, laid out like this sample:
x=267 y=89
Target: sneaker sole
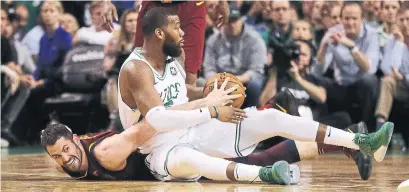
x=285 y=173
x=379 y=154
x=364 y=164
x=295 y=174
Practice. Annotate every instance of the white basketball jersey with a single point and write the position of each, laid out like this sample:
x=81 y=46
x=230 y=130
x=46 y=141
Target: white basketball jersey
x=172 y=90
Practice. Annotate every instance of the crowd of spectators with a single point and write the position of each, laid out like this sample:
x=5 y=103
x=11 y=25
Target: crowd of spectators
x=344 y=62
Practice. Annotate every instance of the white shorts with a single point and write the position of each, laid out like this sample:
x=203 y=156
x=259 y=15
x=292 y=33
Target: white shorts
x=214 y=138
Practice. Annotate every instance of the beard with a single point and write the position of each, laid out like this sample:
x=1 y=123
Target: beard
x=171 y=48
x=77 y=166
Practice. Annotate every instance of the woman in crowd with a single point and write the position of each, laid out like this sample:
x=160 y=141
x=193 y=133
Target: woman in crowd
x=116 y=51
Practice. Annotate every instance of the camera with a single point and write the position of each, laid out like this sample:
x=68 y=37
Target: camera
x=284 y=54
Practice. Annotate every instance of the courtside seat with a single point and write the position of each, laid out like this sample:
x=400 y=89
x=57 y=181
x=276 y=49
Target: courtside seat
x=82 y=78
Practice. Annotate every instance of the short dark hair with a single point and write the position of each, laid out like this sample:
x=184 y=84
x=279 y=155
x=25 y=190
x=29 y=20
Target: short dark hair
x=155 y=18
x=52 y=133
x=349 y=3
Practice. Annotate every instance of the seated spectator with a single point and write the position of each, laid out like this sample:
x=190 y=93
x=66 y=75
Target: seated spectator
x=352 y=50
x=395 y=66
x=335 y=14
x=306 y=10
x=317 y=21
x=20 y=22
x=32 y=39
x=302 y=30
x=331 y=16
x=69 y=23
x=372 y=13
x=389 y=10
x=237 y=49
x=280 y=35
x=293 y=13
x=54 y=45
x=310 y=95
x=24 y=60
x=13 y=96
x=116 y=52
x=265 y=23
x=93 y=34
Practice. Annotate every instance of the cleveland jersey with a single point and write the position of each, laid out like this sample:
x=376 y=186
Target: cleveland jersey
x=171 y=89
x=135 y=168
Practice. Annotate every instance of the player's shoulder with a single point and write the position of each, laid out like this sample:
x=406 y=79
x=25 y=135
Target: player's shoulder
x=134 y=66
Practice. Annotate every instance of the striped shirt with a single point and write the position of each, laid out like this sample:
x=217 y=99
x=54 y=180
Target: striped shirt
x=339 y=57
x=397 y=55
x=235 y=55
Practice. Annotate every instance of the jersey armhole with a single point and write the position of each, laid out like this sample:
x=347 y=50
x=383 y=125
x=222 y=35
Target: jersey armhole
x=180 y=68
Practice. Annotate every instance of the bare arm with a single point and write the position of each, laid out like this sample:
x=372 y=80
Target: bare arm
x=194 y=93
x=270 y=89
x=361 y=59
x=113 y=151
x=321 y=53
x=318 y=94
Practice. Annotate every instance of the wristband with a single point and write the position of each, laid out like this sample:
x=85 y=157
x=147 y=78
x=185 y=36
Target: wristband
x=217 y=112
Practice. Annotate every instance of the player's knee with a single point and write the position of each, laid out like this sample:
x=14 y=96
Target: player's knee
x=181 y=156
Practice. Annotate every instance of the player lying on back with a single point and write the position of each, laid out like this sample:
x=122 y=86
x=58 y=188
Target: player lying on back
x=192 y=137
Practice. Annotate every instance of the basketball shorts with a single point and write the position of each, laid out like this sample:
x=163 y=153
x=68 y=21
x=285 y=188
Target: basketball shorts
x=213 y=138
x=192 y=15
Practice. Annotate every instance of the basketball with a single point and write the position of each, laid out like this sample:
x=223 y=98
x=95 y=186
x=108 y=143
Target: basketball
x=237 y=103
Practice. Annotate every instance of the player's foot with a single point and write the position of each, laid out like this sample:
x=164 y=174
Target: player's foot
x=280 y=173
x=284 y=101
x=363 y=162
x=375 y=144
x=357 y=128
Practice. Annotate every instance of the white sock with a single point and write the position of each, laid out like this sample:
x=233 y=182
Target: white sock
x=245 y=172
x=339 y=137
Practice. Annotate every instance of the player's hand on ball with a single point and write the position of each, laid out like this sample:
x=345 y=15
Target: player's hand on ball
x=230 y=114
x=221 y=97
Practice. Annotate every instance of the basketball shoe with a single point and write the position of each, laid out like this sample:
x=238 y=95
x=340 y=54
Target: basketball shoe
x=363 y=162
x=280 y=173
x=285 y=102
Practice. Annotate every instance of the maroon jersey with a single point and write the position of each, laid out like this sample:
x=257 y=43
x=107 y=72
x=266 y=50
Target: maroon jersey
x=135 y=168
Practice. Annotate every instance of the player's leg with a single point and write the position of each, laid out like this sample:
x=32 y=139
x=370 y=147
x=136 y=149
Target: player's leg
x=193 y=22
x=294 y=151
x=185 y=163
x=261 y=125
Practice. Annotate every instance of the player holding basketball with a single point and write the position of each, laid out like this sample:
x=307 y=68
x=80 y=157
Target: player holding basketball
x=113 y=156
x=192 y=16
x=189 y=137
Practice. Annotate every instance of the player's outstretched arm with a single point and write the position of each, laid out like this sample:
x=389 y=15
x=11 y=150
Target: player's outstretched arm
x=113 y=151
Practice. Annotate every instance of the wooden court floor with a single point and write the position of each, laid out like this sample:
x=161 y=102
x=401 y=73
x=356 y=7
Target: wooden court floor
x=326 y=173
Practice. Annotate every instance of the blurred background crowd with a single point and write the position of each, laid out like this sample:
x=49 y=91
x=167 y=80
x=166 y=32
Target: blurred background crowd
x=344 y=62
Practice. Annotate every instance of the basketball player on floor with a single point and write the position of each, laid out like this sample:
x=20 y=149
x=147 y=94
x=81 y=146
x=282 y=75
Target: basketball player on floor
x=191 y=135
x=113 y=156
x=192 y=16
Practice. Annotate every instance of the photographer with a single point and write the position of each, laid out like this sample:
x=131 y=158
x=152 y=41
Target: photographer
x=291 y=71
